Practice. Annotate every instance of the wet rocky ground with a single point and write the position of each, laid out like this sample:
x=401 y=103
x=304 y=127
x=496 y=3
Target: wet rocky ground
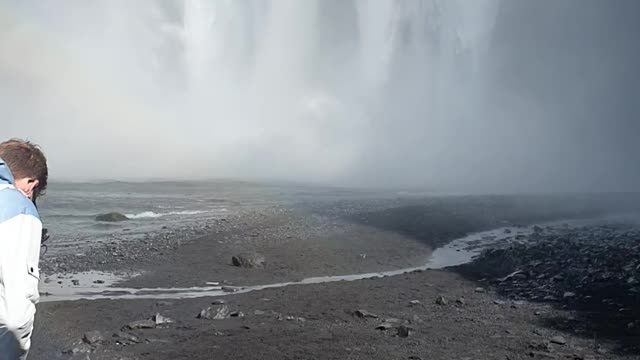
x=426 y=315
x=465 y=313
x=592 y=270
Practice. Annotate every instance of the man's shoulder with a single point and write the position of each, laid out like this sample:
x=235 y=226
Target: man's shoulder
x=14 y=203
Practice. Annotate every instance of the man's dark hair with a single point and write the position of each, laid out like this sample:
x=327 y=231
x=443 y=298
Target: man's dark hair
x=26 y=160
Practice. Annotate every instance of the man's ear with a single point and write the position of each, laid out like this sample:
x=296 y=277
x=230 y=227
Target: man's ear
x=32 y=185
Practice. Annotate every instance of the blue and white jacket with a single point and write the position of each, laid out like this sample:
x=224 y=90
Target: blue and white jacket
x=20 y=236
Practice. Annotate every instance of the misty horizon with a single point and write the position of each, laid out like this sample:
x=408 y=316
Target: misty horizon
x=484 y=97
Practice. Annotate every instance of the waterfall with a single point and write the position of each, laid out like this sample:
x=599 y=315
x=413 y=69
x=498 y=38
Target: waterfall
x=280 y=84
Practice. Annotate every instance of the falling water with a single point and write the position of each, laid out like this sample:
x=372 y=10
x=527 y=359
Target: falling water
x=278 y=84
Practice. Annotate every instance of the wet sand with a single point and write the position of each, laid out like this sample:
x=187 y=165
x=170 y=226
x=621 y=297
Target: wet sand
x=299 y=244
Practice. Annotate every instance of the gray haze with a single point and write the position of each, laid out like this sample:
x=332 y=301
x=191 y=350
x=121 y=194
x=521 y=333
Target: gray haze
x=452 y=95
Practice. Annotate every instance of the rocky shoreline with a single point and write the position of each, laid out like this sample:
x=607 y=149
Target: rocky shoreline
x=593 y=270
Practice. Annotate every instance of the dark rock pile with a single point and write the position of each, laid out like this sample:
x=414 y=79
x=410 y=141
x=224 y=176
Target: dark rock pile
x=111 y=217
x=568 y=264
x=594 y=270
x=249 y=260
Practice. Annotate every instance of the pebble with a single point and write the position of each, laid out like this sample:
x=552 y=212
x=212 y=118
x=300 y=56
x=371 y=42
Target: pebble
x=81 y=348
x=220 y=313
x=441 y=300
x=92 y=337
x=385 y=326
x=404 y=331
x=558 y=340
x=141 y=324
x=127 y=337
x=363 y=314
x=161 y=320
x=238 y=314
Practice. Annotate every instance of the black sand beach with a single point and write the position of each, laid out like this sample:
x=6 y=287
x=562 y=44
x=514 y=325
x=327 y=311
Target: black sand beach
x=434 y=314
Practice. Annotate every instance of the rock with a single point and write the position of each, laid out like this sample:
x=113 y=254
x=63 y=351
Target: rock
x=161 y=320
x=507 y=231
x=259 y=312
x=385 y=326
x=415 y=302
x=75 y=282
x=141 y=324
x=111 y=217
x=363 y=314
x=404 y=331
x=499 y=302
x=214 y=314
x=93 y=337
x=461 y=301
x=218 y=302
x=204 y=314
x=229 y=289
x=441 y=300
x=479 y=290
x=295 y=318
x=239 y=314
x=510 y=276
x=98 y=281
x=558 y=340
x=568 y=294
x=79 y=348
x=127 y=338
x=541 y=345
x=249 y=260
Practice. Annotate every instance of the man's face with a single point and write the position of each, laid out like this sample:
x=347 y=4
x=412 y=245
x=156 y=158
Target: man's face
x=28 y=186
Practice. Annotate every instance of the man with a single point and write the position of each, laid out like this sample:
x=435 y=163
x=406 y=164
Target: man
x=23 y=177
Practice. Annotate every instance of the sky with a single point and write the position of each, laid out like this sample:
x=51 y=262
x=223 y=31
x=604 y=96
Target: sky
x=483 y=96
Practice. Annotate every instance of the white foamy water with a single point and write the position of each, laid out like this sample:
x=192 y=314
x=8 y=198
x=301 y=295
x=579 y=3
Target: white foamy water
x=151 y=214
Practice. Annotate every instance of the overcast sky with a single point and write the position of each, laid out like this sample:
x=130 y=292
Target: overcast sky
x=482 y=96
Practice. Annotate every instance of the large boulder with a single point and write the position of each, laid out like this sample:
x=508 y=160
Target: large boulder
x=112 y=217
x=249 y=260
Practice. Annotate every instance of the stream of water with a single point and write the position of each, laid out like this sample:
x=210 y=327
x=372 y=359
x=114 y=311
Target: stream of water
x=84 y=286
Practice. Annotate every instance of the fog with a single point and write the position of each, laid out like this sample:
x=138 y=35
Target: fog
x=446 y=95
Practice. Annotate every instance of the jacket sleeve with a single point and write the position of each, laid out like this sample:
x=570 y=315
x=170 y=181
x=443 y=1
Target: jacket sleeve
x=19 y=255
